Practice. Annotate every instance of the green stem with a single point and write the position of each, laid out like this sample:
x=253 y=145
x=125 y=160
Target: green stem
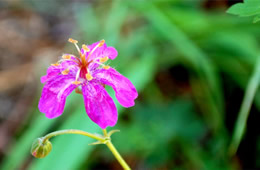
x=115 y=152
x=72 y=131
x=105 y=140
x=240 y=126
x=105 y=132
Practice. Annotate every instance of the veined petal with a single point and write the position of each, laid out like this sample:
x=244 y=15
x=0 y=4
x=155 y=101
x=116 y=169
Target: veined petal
x=125 y=90
x=52 y=71
x=72 y=62
x=54 y=95
x=101 y=52
x=100 y=107
x=94 y=54
x=110 y=52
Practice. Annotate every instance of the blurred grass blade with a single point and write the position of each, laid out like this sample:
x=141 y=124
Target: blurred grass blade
x=84 y=17
x=21 y=149
x=244 y=111
x=114 y=21
x=198 y=60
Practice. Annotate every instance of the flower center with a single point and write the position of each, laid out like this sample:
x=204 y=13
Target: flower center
x=84 y=61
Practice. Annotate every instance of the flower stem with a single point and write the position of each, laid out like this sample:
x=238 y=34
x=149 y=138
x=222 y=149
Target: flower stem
x=105 y=132
x=72 y=131
x=103 y=140
x=115 y=152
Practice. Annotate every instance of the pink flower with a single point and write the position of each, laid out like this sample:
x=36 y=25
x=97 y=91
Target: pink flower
x=87 y=75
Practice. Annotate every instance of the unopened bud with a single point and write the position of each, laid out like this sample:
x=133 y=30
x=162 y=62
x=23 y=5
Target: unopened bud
x=40 y=149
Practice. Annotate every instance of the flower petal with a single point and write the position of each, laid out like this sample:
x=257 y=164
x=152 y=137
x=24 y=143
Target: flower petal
x=100 y=107
x=54 y=95
x=52 y=71
x=101 y=52
x=94 y=54
x=69 y=63
x=110 y=52
x=125 y=90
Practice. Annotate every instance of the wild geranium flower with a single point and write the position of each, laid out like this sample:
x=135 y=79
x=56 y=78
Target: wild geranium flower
x=88 y=75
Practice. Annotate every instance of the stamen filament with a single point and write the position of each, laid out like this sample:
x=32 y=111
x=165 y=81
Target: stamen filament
x=99 y=63
x=77 y=75
x=103 y=65
x=83 y=59
x=100 y=44
x=61 y=60
x=75 y=43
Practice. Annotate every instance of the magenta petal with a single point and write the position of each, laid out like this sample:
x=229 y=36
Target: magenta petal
x=52 y=71
x=97 y=53
x=54 y=95
x=99 y=105
x=101 y=52
x=70 y=64
x=110 y=52
x=44 y=79
x=125 y=90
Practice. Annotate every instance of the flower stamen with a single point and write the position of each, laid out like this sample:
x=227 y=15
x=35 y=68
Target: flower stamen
x=83 y=59
x=77 y=75
x=106 y=67
x=66 y=56
x=56 y=64
x=76 y=82
x=65 y=72
x=89 y=77
x=100 y=44
x=85 y=48
x=72 y=41
x=104 y=59
x=75 y=43
x=103 y=65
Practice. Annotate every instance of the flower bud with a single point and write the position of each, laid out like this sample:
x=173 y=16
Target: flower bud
x=40 y=149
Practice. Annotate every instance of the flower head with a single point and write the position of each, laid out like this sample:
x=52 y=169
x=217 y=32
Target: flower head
x=87 y=75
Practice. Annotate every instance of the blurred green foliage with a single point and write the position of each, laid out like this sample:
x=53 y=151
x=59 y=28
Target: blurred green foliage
x=180 y=117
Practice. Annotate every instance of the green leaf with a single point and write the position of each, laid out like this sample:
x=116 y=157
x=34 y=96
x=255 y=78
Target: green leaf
x=248 y=8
